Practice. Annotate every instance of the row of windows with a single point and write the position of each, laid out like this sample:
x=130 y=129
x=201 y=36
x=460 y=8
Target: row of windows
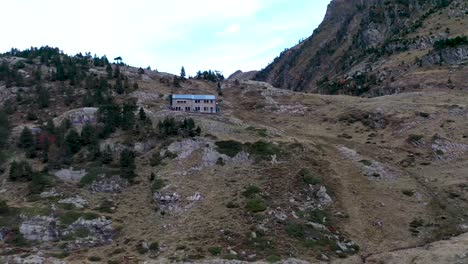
x=197 y=101
x=196 y=109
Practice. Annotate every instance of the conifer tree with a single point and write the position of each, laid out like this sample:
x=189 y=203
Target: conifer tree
x=73 y=141
x=26 y=140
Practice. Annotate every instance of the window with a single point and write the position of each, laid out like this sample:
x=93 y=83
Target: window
x=197 y=109
x=187 y=109
x=205 y=109
x=211 y=109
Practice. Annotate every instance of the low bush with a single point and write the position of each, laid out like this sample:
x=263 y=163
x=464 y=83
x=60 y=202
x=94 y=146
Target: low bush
x=94 y=258
x=308 y=178
x=229 y=147
x=40 y=181
x=251 y=191
x=20 y=171
x=256 y=205
x=215 y=251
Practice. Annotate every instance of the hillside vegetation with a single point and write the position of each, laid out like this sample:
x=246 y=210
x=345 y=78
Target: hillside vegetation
x=95 y=168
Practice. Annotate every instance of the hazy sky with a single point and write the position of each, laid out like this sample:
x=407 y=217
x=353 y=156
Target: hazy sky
x=224 y=35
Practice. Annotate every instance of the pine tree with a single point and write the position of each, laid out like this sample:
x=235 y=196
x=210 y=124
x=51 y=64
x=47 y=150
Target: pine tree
x=109 y=71
x=142 y=114
x=182 y=73
x=26 y=140
x=73 y=141
x=106 y=155
x=128 y=117
x=88 y=134
x=43 y=97
x=127 y=164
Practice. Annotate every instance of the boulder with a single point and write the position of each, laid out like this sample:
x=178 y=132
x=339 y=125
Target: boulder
x=40 y=228
x=70 y=175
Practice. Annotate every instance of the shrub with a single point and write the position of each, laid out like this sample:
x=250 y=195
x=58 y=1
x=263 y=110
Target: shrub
x=4 y=209
x=156 y=159
x=229 y=147
x=215 y=251
x=154 y=246
x=40 y=181
x=408 y=192
x=308 y=178
x=415 y=138
x=88 y=179
x=158 y=184
x=295 y=230
x=106 y=207
x=256 y=205
x=20 y=171
x=263 y=150
x=251 y=191
x=141 y=249
x=231 y=205
x=94 y=258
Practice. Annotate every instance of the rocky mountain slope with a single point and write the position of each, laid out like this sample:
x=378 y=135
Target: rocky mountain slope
x=95 y=168
x=378 y=47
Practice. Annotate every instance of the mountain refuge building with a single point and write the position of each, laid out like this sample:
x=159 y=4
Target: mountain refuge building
x=197 y=103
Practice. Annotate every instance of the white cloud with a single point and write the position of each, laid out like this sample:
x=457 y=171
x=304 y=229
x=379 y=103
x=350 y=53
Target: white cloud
x=221 y=34
x=231 y=29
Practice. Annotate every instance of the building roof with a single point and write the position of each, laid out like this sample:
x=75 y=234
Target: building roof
x=194 y=96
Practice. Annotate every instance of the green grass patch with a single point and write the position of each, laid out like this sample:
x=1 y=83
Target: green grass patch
x=263 y=150
x=256 y=205
x=251 y=191
x=157 y=184
x=215 y=251
x=229 y=147
x=70 y=217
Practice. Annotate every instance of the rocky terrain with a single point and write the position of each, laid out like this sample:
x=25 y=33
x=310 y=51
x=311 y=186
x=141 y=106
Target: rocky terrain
x=378 y=47
x=95 y=168
x=277 y=176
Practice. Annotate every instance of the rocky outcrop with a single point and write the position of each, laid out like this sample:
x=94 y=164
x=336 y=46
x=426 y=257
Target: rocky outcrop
x=40 y=228
x=240 y=75
x=78 y=117
x=70 y=175
x=98 y=232
x=450 y=56
x=358 y=35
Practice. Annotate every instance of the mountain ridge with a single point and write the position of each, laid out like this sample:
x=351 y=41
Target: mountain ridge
x=366 y=37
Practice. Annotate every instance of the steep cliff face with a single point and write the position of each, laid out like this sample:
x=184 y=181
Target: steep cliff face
x=348 y=52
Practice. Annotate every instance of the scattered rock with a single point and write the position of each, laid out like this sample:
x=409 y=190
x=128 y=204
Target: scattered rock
x=113 y=184
x=50 y=194
x=196 y=197
x=77 y=201
x=323 y=197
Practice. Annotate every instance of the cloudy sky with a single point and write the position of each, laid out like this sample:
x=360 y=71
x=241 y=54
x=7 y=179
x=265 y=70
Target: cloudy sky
x=224 y=35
